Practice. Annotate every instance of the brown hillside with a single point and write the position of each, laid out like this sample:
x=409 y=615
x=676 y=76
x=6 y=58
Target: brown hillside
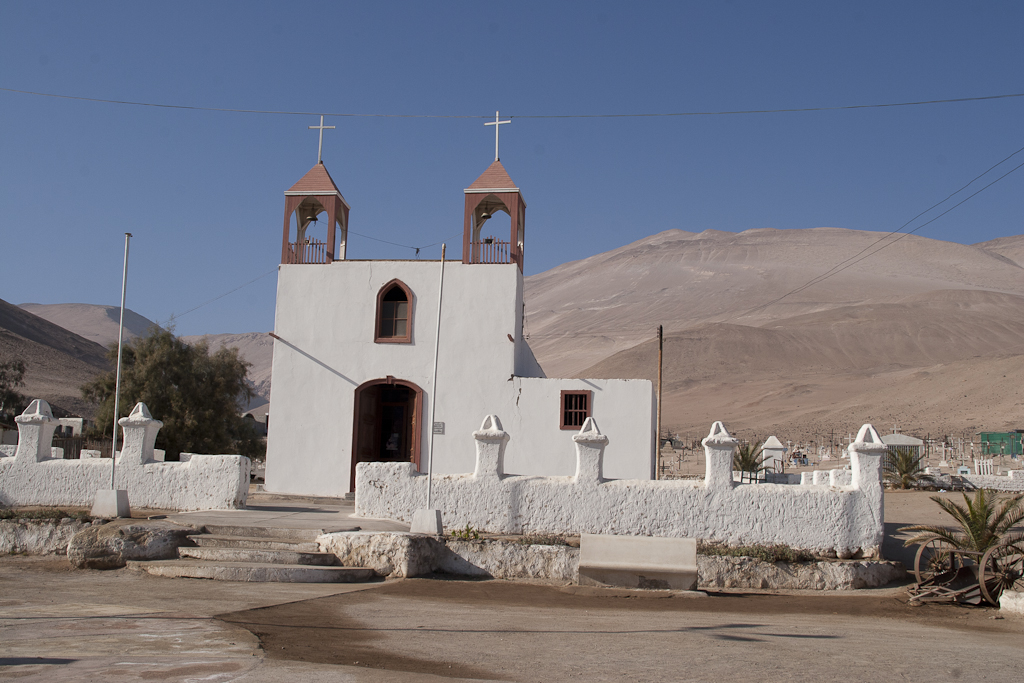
x=100 y=324
x=1008 y=247
x=95 y=323
x=944 y=362
x=57 y=361
x=583 y=311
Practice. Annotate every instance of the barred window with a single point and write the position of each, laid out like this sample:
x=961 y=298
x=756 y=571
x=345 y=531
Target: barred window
x=575 y=409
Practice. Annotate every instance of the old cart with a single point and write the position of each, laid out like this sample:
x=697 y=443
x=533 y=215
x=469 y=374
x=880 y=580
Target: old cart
x=946 y=573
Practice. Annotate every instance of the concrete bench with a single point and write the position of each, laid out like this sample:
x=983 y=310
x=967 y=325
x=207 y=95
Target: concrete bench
x=638 y=562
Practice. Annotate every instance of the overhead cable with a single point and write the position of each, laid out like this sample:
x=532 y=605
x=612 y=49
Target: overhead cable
x=858 y=257
x=517 y=116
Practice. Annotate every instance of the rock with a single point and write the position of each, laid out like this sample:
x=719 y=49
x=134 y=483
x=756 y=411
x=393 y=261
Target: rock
x=398 y=554
x=112 y=545
x=747 y=572
x=38 y=537
x=1012 y=602
x=510 y=560
x=395 y=554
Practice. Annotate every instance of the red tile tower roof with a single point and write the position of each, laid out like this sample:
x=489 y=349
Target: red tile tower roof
x=494 y=178
x=317 y=181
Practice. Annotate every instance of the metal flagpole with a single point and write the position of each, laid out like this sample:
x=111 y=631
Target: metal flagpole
x=120 y=344
x=433 y=392
x=657 y=428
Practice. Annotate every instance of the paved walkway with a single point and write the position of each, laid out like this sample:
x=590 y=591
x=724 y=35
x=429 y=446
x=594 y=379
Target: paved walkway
x=290 y=512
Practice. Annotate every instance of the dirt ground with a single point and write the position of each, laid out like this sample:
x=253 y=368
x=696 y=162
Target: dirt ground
x=119 y=626
x=114 y=626
x=496 y=630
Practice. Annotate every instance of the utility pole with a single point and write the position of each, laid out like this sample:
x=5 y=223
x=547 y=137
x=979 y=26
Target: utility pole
x=657 y=436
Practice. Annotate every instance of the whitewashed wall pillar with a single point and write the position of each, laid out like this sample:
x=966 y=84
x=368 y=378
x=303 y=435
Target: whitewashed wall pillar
x=35 y=432
x=590 y=445
x=718 y=449
x=140 y=430
x=490 y=448
x=866 y=462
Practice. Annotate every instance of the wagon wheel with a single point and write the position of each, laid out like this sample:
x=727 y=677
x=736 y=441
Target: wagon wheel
x=1002 y=568
x=933 y=558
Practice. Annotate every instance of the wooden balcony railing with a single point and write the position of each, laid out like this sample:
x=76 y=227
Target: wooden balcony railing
x=493 y=251
x=309 y=251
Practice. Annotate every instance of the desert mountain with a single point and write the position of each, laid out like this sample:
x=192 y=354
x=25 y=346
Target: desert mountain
x=81 y=329
x=95 y=323
x=583 y=311
x=1009 y=247
x=57 y=361
x=924 y=335
x=942 y=363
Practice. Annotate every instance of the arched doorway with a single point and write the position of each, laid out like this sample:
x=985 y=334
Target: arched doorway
x=387 y=423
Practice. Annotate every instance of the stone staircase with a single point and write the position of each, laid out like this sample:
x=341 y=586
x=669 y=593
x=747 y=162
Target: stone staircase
x=256 y=554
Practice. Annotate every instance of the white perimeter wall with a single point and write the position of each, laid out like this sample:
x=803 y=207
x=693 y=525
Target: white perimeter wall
x=325 y=323
x=33 y=477
x=845 y=520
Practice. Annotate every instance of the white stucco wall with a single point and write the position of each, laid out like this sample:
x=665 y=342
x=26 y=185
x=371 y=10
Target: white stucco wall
x=325 y=350
x=845 y=520
x=623 y=408
x=33 y=477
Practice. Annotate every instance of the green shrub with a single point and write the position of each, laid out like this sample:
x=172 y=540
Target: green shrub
x=467 y=534
x=543 y=539
x=50 y=513
x=766 y=553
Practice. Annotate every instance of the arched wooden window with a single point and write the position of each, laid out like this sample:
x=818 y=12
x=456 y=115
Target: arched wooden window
x=394 y=314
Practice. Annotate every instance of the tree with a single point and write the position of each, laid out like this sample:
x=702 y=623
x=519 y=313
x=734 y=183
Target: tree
x=12 y=376
x=982 y=523
x=903 y=468
x=197 y=395
x=748 y=459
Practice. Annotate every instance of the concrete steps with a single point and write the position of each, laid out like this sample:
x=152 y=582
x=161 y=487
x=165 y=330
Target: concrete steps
x=256 y=554
x=254 y=571
x=255 y=543
x=277 y=533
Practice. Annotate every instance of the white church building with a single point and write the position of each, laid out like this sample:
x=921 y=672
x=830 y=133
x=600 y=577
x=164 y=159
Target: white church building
x=354 y=353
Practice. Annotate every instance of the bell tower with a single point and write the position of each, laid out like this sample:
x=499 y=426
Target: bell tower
x=313 y=195
x=493 y=191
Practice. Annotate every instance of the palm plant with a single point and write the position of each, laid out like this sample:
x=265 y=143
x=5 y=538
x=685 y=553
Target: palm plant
x=748 y=459
x=903 y=468
x=984 y=522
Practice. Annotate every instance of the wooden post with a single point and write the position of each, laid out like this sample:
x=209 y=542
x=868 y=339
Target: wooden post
x=657 y=435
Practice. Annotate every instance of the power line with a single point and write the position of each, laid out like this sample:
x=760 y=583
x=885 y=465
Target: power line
x=518 y=116
x=396 y=244
x=221 y=296
x=853 y=260
x=216 y=298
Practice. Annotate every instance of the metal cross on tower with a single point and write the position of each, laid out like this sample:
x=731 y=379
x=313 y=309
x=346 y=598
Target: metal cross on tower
x=496 y=123
x=322 y=127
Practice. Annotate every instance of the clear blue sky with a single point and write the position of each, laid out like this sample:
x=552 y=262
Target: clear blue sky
x=203 y=191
